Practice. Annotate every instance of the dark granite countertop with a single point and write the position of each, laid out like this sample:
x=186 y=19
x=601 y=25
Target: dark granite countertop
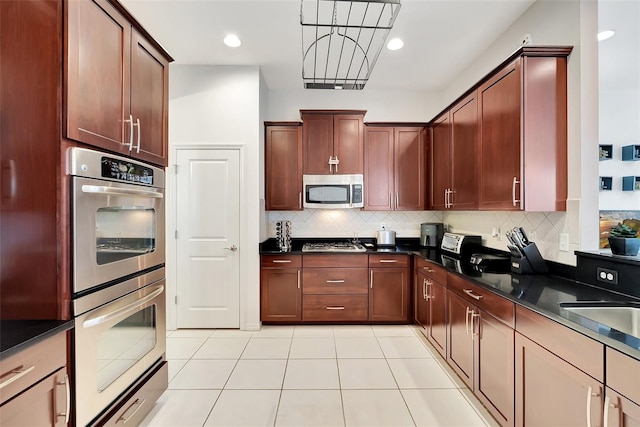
x=540 y=293
x=17 y=335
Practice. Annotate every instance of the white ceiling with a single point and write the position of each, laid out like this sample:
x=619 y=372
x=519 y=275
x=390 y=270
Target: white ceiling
x=441 y=37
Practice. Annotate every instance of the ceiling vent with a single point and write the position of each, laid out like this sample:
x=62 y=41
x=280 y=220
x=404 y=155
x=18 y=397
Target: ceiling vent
x=342 y=39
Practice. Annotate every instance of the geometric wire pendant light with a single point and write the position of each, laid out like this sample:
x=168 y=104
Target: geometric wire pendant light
x=342 y=39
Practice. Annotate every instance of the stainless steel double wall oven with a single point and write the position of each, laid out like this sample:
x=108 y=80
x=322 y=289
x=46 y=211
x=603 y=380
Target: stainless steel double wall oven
x=118 y=287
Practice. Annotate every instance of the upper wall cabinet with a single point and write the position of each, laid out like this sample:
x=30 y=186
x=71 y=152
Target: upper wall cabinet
x=523 y=133
x=283 y=166
x=454 y=147
x=116 y=82
x=333 y=142
x=394 y=168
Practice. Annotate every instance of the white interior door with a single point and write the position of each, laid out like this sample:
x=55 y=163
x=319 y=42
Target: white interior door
x=208 y=229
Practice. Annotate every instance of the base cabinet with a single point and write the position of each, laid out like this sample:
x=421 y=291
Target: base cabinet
x=389 y=288
x=620 y=411
x=280 y=288
x=551 y=391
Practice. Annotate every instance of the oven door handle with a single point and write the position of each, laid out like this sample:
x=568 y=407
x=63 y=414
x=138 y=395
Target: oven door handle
x=101 y=189
x=102 y=318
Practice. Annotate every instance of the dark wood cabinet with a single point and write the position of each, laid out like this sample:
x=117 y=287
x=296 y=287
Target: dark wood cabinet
x=551 y=391
x=454 y=157
x=394 y=171
x=333 y=142
x=389 y=288
x=116 y=83
x=523 y=133
x=283 y=166
x=280 y=288
x=430 y=302
x=559 y=374
x=31 y=187
x=334 y=288
x=481 y=342
x=36 y=386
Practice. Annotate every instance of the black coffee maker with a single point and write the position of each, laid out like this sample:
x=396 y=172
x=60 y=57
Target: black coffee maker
x=431 y=234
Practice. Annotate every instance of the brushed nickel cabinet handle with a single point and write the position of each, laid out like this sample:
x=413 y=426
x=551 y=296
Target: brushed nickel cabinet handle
x=397 y=200
x=300 y=200
x=472 y=294
x=334 y=307
x=388 y=260
x=474 y=331
x=429 y=270
x=513 y=191
x=428 y=283
x=371 y=279
x=424 y=289
x=16 y=373
x=137 y=123
x=67 y=388
x=466 y=320
x=335 y=281
x=138 y=404
x=590 y=394
x=130 y=121
x=298 y=279
x=281 y=261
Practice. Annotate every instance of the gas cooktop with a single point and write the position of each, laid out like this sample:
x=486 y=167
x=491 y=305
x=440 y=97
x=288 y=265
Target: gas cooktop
x=333 y=247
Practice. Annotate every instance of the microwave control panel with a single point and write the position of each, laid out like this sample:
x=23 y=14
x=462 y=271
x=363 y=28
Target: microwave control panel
x=357 y=193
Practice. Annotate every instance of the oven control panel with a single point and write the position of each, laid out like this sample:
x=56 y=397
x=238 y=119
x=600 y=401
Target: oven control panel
x=126 y=171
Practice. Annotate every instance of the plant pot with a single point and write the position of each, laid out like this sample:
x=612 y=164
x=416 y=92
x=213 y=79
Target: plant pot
x=624 y=246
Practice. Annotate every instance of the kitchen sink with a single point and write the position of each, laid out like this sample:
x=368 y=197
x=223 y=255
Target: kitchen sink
x=621 y=316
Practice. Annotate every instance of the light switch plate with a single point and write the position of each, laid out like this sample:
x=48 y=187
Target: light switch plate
x=564 y=242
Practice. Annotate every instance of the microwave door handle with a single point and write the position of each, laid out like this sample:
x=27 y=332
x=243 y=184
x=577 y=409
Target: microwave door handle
x=97 y=320
x=101 y=189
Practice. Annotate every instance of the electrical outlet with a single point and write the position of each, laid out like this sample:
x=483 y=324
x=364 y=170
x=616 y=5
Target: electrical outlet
x=607 y=276
x=532 y=235
x=496 y=233
x=564 y=242
x=526 y=40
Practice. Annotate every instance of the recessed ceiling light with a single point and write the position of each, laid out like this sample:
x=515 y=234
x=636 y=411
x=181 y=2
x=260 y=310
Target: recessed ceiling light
x=395 y=44
x=606 y=34
x=232 y=40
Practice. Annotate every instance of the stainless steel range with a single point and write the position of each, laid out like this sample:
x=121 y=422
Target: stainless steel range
x=333 y=247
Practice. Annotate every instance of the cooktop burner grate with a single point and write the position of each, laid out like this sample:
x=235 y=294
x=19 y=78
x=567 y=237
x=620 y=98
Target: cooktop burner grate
x=333 y=247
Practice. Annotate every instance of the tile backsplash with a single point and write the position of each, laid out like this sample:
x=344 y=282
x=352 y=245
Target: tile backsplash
x=544 y=228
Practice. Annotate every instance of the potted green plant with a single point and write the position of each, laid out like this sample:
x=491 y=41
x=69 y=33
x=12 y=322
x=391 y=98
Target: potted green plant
x=624 y=240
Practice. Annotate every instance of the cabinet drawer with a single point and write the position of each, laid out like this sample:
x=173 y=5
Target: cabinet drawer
x=31 y=365
x=379 y=260
x=335 y=260
x=335 y=308
x=334 y=281
x=281 y=261
x=623 y=374
x=499 y=307
x=584 y=353
x=431 y=269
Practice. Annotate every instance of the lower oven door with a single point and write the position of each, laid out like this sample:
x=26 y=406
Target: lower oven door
x=114 y=345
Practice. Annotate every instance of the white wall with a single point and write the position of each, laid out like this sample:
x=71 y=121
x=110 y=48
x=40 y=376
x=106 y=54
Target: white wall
x=221 y=106
x=619 y=89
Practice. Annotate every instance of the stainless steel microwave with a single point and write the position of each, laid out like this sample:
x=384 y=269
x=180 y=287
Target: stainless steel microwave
x=333 y=191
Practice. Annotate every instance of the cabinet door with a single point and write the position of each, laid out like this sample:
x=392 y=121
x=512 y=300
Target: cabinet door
x=494 y=376
x=317 y=136
x=283 y=168
x=44 y=404
x=460 y=348
x=348 y=143
x=280 y=295
x=98 y=75
x=440 y=166
x=500 y=109
x=389 y=294
x=378 y=168
x=464 y=154
x=421 y=303
x=552 y=392
x=149 y=100
x=620 y=411
x=409 y=168
x=438 y=317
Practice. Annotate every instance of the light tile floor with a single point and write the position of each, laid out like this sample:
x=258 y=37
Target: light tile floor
x=311 y=376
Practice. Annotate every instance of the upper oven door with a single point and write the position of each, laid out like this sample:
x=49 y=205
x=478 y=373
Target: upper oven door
x=118 y=230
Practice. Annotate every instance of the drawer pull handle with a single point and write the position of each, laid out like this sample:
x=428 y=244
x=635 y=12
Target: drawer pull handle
x=336 y=281
x=429 y=270
x=282 y=261
x=138 y=404
x=335 y=308
x=472 y=294
x=67 y=389
x=388 y=260
x=18 y=373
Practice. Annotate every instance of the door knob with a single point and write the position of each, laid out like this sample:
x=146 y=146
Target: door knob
x=233 y=248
